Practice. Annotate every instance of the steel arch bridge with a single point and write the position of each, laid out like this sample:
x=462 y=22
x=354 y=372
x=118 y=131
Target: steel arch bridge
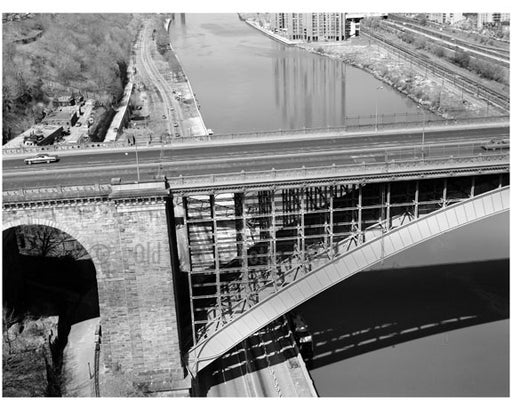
x=244 y=307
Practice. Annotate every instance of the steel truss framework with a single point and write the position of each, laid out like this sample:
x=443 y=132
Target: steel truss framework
x=244 y=246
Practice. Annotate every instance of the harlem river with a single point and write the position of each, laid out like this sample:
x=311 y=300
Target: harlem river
x=434 y=322
x=245 y=81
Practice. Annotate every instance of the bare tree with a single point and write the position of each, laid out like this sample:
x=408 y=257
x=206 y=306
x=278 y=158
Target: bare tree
x=41 y=240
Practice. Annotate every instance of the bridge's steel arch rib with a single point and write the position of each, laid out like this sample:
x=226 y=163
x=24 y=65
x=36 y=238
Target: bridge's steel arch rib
x=360 y=258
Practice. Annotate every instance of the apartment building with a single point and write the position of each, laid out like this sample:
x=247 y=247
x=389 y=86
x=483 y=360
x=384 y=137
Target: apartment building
x=492 y=18
x=310 y=27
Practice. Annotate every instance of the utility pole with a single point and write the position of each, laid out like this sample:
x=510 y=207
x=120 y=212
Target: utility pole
x=376 y=105
x=137 y=160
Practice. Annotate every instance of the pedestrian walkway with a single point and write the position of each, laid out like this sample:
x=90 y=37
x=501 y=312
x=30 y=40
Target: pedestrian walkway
x=78 y=360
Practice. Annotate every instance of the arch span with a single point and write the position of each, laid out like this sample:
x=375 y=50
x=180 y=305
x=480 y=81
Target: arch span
x=356 y=260
x=26 y=220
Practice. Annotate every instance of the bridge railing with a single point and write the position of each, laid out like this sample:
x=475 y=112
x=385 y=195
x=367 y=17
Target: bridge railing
x=59 y=192
x=353 y=124
x=356 y=124
x=391 y=166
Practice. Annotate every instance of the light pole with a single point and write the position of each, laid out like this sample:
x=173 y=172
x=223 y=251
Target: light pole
x=137 y=160
x=422 y=135
x=376 y=104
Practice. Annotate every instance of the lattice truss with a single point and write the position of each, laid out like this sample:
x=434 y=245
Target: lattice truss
x=239 y=247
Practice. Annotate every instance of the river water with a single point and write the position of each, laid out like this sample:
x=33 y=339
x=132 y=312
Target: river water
x=433 y=321
x=420 y=325
x=245 y=81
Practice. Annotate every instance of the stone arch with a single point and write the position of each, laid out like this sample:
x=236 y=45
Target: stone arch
x=57 y=225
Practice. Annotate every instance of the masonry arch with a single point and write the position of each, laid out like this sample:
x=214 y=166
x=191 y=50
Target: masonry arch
x=49 y=274
x=82 y=239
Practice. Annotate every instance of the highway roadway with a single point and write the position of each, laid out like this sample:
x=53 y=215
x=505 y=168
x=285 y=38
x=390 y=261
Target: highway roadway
x=78 y=167
x=261 y=366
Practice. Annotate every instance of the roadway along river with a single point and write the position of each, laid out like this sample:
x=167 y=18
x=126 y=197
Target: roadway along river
x=245 y=81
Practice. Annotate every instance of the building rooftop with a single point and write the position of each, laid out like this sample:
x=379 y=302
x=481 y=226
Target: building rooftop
x=44 y=130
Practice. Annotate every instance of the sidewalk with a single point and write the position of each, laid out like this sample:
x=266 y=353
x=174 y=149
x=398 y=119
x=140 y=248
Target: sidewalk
x=78 y=358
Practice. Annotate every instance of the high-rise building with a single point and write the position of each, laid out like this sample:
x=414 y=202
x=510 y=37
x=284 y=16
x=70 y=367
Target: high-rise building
x=445 y=18
x=310 y=26
x=492 y=18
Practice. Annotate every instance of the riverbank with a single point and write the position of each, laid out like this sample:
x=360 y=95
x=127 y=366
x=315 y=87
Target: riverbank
x=192 y=122
x=427 y=90
x=271 y=34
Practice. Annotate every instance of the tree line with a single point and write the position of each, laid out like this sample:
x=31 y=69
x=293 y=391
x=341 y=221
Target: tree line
x=89 y=52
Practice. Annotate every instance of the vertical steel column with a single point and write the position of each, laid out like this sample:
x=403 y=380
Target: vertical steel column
x=383 y=201
x=245 y=262
x=444 y=192
x=388 y=207
x=285 y=207
x=190 y=288
x=500 y=180
x=331 y=223
x=302 y=232
x=216 y=255
x=416 y=199
x=359 y=214
x=241 y=239
x=273 y=247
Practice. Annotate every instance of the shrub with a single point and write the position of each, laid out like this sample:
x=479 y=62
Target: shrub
x=439 y=51
x=461 y=58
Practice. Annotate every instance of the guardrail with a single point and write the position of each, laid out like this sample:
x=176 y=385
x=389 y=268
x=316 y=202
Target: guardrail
x=354 y=124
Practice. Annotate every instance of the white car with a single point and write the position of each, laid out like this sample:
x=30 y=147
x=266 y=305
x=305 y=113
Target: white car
x=41 y=158
x=496 y=143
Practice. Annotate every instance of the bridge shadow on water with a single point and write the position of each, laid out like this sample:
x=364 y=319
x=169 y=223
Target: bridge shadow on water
x=374 y=310
x=382 y=308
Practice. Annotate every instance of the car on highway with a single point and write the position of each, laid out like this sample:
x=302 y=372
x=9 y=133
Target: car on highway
x=496 y=143
x=41 y=158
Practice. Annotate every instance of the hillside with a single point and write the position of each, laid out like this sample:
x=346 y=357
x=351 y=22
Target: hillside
x=48 y=55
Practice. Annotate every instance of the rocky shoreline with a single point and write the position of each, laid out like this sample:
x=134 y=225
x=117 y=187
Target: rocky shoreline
x=431 y=92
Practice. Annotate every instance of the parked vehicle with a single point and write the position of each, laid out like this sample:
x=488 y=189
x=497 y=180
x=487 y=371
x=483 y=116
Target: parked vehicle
x=41 y=158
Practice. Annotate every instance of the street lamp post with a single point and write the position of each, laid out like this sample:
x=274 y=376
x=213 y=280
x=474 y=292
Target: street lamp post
x=137 y=160
x=376 y=105
x=422 y=135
